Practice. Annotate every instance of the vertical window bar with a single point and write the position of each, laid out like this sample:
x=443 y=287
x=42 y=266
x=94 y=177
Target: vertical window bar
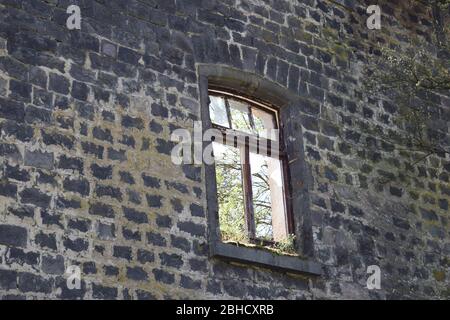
x=227 y=107
x=248 y=192
x=250 y=117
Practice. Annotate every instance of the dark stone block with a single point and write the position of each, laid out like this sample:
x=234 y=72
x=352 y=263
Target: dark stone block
x=130 y=122
x=102 y=210
x=151 y=181
x=46 y=240
x=70 y=294
x=136 y=274
x=53 y=265
x=106 y=231
x=193 y=173
x=122 y=252
x=102 y=191
x=101 y=172
x=128 y=56
x=189 y=283
x=12 y=110
x=111 y=271
x=131 y=235
x=155 y=127
x=163 y=221
x=79 y=224
x=357 y=212
x=118 y=155
x=144 y=256
x=234 y=288
x=330 y=174
x=89 y=268
x=64 y=203
x=102 y=134
x=144 y=295
x=164 y=147
x=18 y=256
x=80 y=90
x=171 y=260
x=57 y=139
x=51 y=218
x=80 y=186
x=14 y=172
x=8 y=279
x=71 y=163
x=163 y=276
x=134 y=197
x=126 y=177
x=154 y=201
x=76 y=245
x=29 y=282
x=159 y=111
x=84 y=110
x=104 y=293
x=20 y=91
x=192 y=228
x=429 y=215
x=196 y=210
x=156 y=239
x=22 y=132
x=35 y=115
x=36 y=197
x=128 y=141
x=22 y=212
x=59 y=84
x=135 y=215
x=180 y=243
x=198 y=265
x=39 y=159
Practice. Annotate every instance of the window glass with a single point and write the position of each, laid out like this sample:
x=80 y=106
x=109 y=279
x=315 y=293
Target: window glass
x=268 y=197
x=218 y=111
x=264 y=124
x=230 y=192
x=240 y=113
x=251 y=199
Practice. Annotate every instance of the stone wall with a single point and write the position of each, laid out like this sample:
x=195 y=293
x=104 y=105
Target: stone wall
x=87 y=179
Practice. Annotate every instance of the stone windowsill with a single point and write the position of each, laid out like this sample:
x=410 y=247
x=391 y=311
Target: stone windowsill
x=265 y=258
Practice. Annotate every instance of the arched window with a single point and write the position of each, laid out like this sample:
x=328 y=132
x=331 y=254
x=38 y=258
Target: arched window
x=250 y=167
x=257 y=185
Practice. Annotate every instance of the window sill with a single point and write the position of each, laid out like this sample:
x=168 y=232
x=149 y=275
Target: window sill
x=265 y=258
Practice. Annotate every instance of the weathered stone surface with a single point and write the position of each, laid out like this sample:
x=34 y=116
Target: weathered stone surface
x=13 y=235
x=87 y=177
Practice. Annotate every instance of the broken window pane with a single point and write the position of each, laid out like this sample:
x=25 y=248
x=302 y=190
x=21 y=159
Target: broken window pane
x=230 y=193
x=218 y=111
x=240 y=113
x=268 y=198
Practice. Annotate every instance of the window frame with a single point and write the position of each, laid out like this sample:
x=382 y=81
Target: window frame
x=289 y=104
x=246 y=166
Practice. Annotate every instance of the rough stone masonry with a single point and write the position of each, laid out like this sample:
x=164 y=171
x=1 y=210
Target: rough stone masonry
x=86 y=177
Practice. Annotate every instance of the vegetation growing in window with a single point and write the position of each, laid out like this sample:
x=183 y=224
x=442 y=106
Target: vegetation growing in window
x=250 y=186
